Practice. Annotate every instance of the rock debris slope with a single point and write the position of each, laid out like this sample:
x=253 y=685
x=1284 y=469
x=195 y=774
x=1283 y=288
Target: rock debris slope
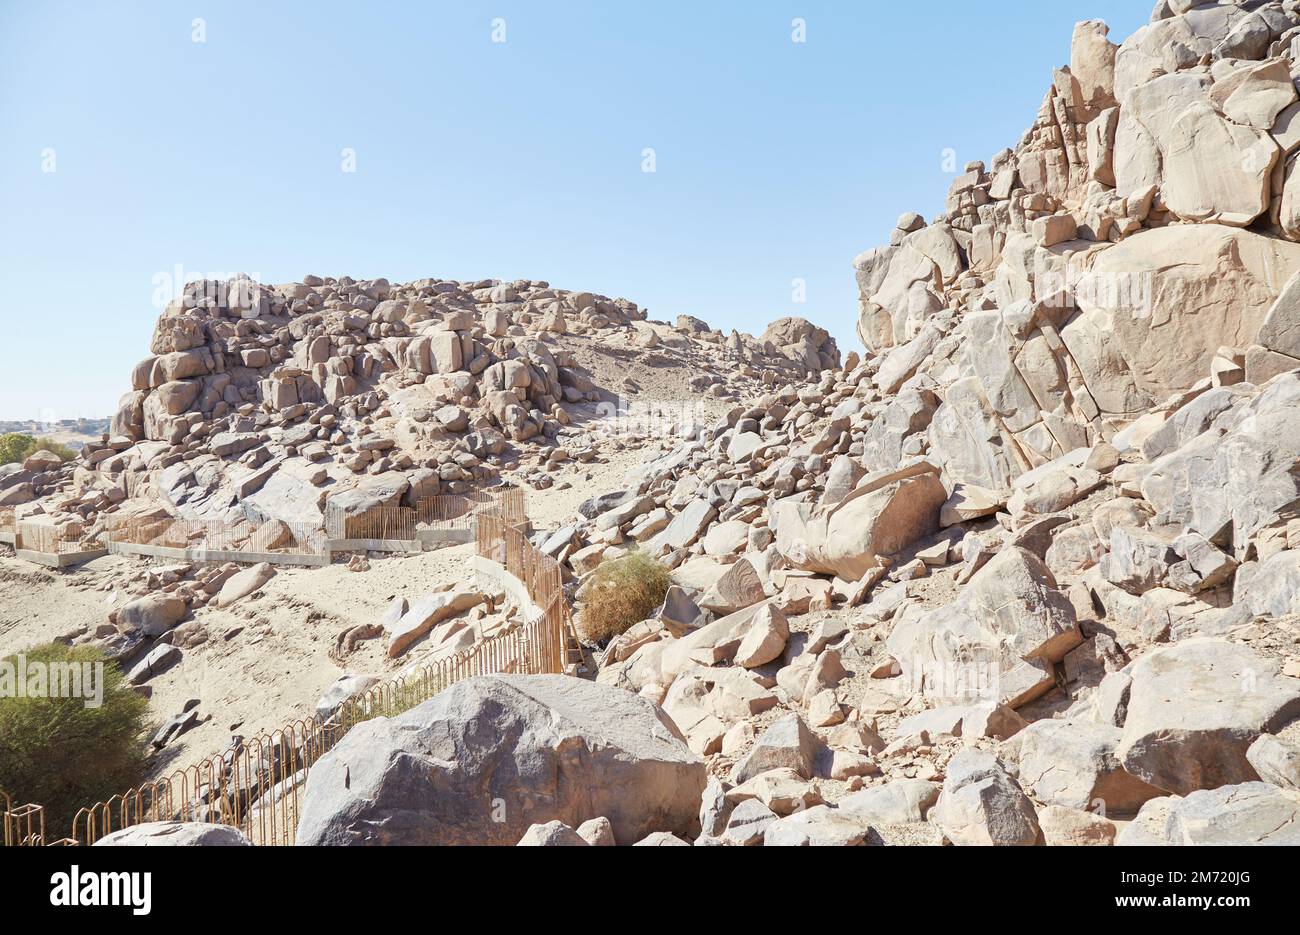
x=1027 y=571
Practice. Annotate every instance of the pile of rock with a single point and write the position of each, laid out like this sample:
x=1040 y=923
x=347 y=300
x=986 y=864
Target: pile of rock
x=274 y=402
x=1038 y=551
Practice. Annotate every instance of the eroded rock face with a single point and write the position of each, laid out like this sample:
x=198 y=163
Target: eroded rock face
x=883 y=514
x=1195 y=708
x=489 y=757
x=1253 y=813
x=1226 y=485
x=996 y=642
x=1169 y=298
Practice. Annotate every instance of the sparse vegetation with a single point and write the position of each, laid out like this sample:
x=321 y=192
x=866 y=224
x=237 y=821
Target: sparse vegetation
x=623 y=591
x=395 y=700
x=55 y=749
x=17 y=447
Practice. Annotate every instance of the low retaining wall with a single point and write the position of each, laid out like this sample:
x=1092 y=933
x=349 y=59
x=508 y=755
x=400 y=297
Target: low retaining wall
x=218 y=555
x=442 y=538
x=435 y=539
x=373 y=545
x=514 y=588
x=59 y=559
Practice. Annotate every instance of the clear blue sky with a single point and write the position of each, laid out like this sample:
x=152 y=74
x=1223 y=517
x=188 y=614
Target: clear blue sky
x=474 y=159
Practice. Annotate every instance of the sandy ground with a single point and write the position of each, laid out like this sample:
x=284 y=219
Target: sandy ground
x=268 y=658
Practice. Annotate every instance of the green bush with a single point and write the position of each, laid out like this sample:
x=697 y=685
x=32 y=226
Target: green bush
x=623 y=591
x=57 y=751
x=17 y=447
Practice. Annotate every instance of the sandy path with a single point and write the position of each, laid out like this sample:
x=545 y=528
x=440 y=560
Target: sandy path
x=267 y=660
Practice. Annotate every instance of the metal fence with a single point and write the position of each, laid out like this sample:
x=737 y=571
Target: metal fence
x=24 y=825
x=445 y=511
x=257 y=785
x=213 y=535
x=48 y=538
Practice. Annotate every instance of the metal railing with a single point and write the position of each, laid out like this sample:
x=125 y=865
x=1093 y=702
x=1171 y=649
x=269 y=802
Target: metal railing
x=445 y=511
x=242 y=536
x=53 y=540
x=256 y=785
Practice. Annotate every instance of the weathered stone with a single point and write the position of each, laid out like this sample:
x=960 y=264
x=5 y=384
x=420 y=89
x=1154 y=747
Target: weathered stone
x=1073 y=763
x=243 y=583
x=996 y=642
x=982 y=805
x=1250 y=813
x=765 y=639
x=787 y=743
x=551 y=834
x=153 y=614
x=176 y=834
x=883 y=515
x=425 y=613
x=1194 y=709
x=543 y=748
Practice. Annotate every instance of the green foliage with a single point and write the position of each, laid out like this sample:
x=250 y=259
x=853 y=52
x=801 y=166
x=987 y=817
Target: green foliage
x=13 y=445
x=623 y=591
x=389 y=701
x=57 y=751
x=17 y=447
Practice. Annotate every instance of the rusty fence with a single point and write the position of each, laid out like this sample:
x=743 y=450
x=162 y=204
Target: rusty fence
x=24 y=825
x=272 y=536
x=257 y=785
x=445 y=511
x=51 y=539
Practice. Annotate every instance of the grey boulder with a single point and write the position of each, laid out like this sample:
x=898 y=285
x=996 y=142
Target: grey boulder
x=491 y=756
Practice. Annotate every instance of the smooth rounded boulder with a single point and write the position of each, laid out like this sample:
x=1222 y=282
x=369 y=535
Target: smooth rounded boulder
x=176 y=834
x=490 y=757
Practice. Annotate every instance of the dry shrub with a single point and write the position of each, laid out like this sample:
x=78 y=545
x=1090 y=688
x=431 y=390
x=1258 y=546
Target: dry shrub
x=623 y=591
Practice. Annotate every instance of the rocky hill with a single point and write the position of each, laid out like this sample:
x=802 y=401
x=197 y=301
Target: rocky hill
x=1026 y=571
x=269 y=402
x=1038 y=550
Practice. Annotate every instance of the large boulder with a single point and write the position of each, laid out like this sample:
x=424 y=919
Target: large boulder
x=1229 y=482
x=1194 y=709
x=153 y=614
x=997 y=642
x=491 y=756
x=1073 y=764
x=1251 y=813
x=1280 y=331
x=884 y=514
x=981 y=804
x=243 y=583
x=1164 y=300
x=424 y=615
x=787 y=744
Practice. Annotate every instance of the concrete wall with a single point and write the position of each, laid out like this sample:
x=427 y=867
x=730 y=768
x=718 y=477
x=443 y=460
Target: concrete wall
x=59 y=559
x=218 y=555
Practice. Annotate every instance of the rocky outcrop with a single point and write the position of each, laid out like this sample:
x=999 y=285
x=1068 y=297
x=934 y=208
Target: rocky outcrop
x=491 y=756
